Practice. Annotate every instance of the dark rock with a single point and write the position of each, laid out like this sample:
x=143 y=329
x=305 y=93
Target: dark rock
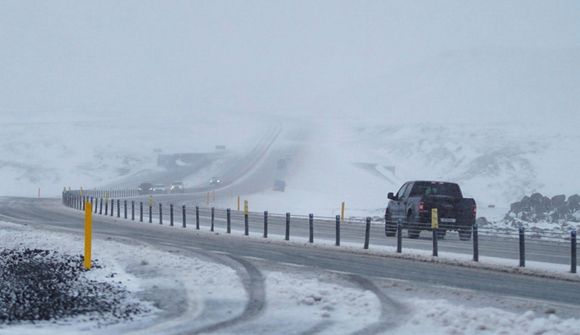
x=42 y=285
x=558 y=201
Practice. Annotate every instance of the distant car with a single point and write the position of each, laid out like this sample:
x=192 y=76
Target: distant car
x=279 y=185
x=177 y=187
x=159 y=188
x=215 y=181
x=145 y=188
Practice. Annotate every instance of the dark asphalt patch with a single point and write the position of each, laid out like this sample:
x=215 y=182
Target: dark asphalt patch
x=43 y=285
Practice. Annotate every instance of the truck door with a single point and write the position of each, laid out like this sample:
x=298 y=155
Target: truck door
x=399 y=204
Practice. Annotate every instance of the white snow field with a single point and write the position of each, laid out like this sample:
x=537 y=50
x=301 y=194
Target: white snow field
x=295 y=300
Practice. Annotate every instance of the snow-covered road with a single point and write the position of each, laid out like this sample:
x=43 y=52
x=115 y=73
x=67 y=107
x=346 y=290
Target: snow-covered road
x=195 y=285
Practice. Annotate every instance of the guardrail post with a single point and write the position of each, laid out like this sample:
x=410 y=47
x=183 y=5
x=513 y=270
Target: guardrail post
x=311 y=228
x=132 y=210
x=183 y=216
x=106 y=208
x=112 y=206
x=197 y=217
x=150 y=213
x=573 y=252
x=265 y=224
x=522 y=248
x=337 y=243
x=246 y=224
x=118 y=208
x=228 y=221
x=475 y=244
x=140 y=211
x=171 y=215
x=125 y=208
x=101 y=207
x=435 y=243
x=367 y=232
x=212 y=219
x=399 y=237
x=160 y=213
x=287 y=237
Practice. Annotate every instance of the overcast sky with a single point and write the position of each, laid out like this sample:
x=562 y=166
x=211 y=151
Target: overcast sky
x=420 y=58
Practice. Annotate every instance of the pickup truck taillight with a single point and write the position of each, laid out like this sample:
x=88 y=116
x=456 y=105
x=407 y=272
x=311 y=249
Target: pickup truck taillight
x=421 y=206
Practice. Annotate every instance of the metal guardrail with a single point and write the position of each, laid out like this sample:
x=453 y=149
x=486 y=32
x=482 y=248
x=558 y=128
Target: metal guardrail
x=510 y=242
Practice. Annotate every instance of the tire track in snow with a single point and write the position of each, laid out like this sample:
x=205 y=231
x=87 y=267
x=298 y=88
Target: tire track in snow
x=391 y=310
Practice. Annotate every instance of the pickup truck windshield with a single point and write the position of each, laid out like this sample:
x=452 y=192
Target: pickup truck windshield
x=436 y=189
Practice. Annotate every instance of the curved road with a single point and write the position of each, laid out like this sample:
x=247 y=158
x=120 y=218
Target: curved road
x=361 y=269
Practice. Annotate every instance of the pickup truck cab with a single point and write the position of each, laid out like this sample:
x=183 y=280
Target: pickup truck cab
x=412 y=204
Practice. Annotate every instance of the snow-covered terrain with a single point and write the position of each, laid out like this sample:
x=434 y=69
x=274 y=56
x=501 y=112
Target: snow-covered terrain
x=295 y=301
x=356 y=162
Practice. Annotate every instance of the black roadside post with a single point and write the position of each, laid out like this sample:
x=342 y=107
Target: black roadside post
x=118 y=208
x=212 y=219
x=171 y=215
x=140 y=211
x=132 y=210
x=96 y=205
x=287 y=237
x=106 y=208
x=573 y=245
x=475 y=244
x=197 y=217
x=160 y=213
x=435 y=245
x=101 y=207
x=399 y=237
x=125 y=208
x=337 y=243
x=112 y=206
x=522 y=248
x=265 y=224
x=228 y=221
x=83 y=199
x=367 y=232
x=183 y=216
x=311 y=228
x=246 y=224
x=150 y=213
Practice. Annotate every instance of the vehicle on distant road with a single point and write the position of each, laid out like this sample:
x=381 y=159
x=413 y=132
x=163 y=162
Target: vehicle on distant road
x=145 y=188
x=159 y=188
x=215 y=181
x=279 y=185
x=176 y=187
x=414 y=201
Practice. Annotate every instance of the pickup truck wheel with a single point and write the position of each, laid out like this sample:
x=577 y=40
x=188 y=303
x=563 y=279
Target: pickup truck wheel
x=412 y=232
x=465 y=234
x=390 y=226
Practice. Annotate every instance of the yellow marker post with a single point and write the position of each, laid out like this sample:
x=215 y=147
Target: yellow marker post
x=342 y=212
x=246 y=211
x=88 y=234
x=434 y=219
x=150 y=201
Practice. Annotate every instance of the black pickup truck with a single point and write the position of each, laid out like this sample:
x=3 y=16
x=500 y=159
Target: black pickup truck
x=412 y=206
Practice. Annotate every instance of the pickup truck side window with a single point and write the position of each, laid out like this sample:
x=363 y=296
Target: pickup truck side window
x=407 y=193
x=402 y=191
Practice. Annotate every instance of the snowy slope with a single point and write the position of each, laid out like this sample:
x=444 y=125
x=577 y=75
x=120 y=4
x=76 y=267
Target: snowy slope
x=53 y=153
